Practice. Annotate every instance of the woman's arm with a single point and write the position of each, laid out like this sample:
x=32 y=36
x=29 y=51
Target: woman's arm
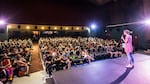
x=125 y=39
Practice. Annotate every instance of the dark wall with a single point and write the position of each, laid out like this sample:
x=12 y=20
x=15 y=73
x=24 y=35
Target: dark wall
x=51 y=12
x=55 y=12
x=124 y=11
x=3 y=33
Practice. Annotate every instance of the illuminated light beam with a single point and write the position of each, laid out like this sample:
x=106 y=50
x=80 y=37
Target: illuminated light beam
x=123 y=24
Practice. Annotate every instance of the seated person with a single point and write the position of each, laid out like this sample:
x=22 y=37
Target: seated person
x=22 y=64
x=3 y=75
x=113 y=51
x=68 y=61
x=86 y=55
x=147 y=51
x=57 y=61
x=48 y=63
x=6 y=64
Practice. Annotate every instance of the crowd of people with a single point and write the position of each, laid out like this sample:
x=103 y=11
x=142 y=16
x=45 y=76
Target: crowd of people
x=61 y=53
x=15 y=56
x=147 y=51
x=57 y=53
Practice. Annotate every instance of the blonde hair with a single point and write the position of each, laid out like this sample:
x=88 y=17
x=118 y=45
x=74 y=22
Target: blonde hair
x=127 y=31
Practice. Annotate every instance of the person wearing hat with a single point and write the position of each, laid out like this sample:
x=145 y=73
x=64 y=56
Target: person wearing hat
x=128 y=48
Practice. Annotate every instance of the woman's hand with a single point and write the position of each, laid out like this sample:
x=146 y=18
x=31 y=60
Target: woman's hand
x=122 y=37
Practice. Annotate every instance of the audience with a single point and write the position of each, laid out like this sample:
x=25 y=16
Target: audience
x=57 y=54
x=6 y=64
x=147 y=51
x=14 y=54
x=22 y=65
x=114 y=51
x=3 y=75
x=61 y=53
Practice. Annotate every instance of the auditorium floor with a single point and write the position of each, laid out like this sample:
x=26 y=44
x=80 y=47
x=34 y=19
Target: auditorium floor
x=111 y=71
x=36 y=64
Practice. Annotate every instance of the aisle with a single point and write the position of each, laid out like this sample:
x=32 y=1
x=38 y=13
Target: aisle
x=36 y=64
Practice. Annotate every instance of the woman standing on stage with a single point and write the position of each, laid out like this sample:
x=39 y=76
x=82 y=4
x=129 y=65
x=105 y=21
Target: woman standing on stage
x=128 y=47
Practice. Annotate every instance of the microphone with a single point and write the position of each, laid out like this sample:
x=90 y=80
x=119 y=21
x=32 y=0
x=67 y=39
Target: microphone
x=121 y=40
x=122 y=36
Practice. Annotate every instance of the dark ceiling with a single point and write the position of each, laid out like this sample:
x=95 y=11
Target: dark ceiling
x=63 y=12
x=100 y=2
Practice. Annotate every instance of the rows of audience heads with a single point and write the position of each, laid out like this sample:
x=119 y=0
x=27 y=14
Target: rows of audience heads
x=14 y=54
x=57 y=53
x=67 y=48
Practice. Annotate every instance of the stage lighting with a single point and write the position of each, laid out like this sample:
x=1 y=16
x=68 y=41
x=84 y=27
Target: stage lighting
x=77 y=28
x=43 y=28
x=66 y=28
x=147 y=22
x=9 y=26
x=2 y=22
x=27 y=27
x=55 y=28
x=93 y=26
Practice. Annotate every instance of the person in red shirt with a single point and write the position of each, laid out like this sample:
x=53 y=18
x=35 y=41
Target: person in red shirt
x=7 y=66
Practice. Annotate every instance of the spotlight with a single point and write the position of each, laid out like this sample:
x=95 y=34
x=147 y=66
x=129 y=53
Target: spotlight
x=147 y=21
x=93 y=26
x=77 y=28
x=55 y=28
x=27 y=27
x=2 y=22
x=43 y=28
x=66 y=28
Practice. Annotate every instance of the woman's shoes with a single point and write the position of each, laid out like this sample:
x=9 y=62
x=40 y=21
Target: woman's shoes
x=129 y=66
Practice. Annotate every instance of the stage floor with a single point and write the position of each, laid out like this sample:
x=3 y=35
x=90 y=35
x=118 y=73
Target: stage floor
x=109 y=71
